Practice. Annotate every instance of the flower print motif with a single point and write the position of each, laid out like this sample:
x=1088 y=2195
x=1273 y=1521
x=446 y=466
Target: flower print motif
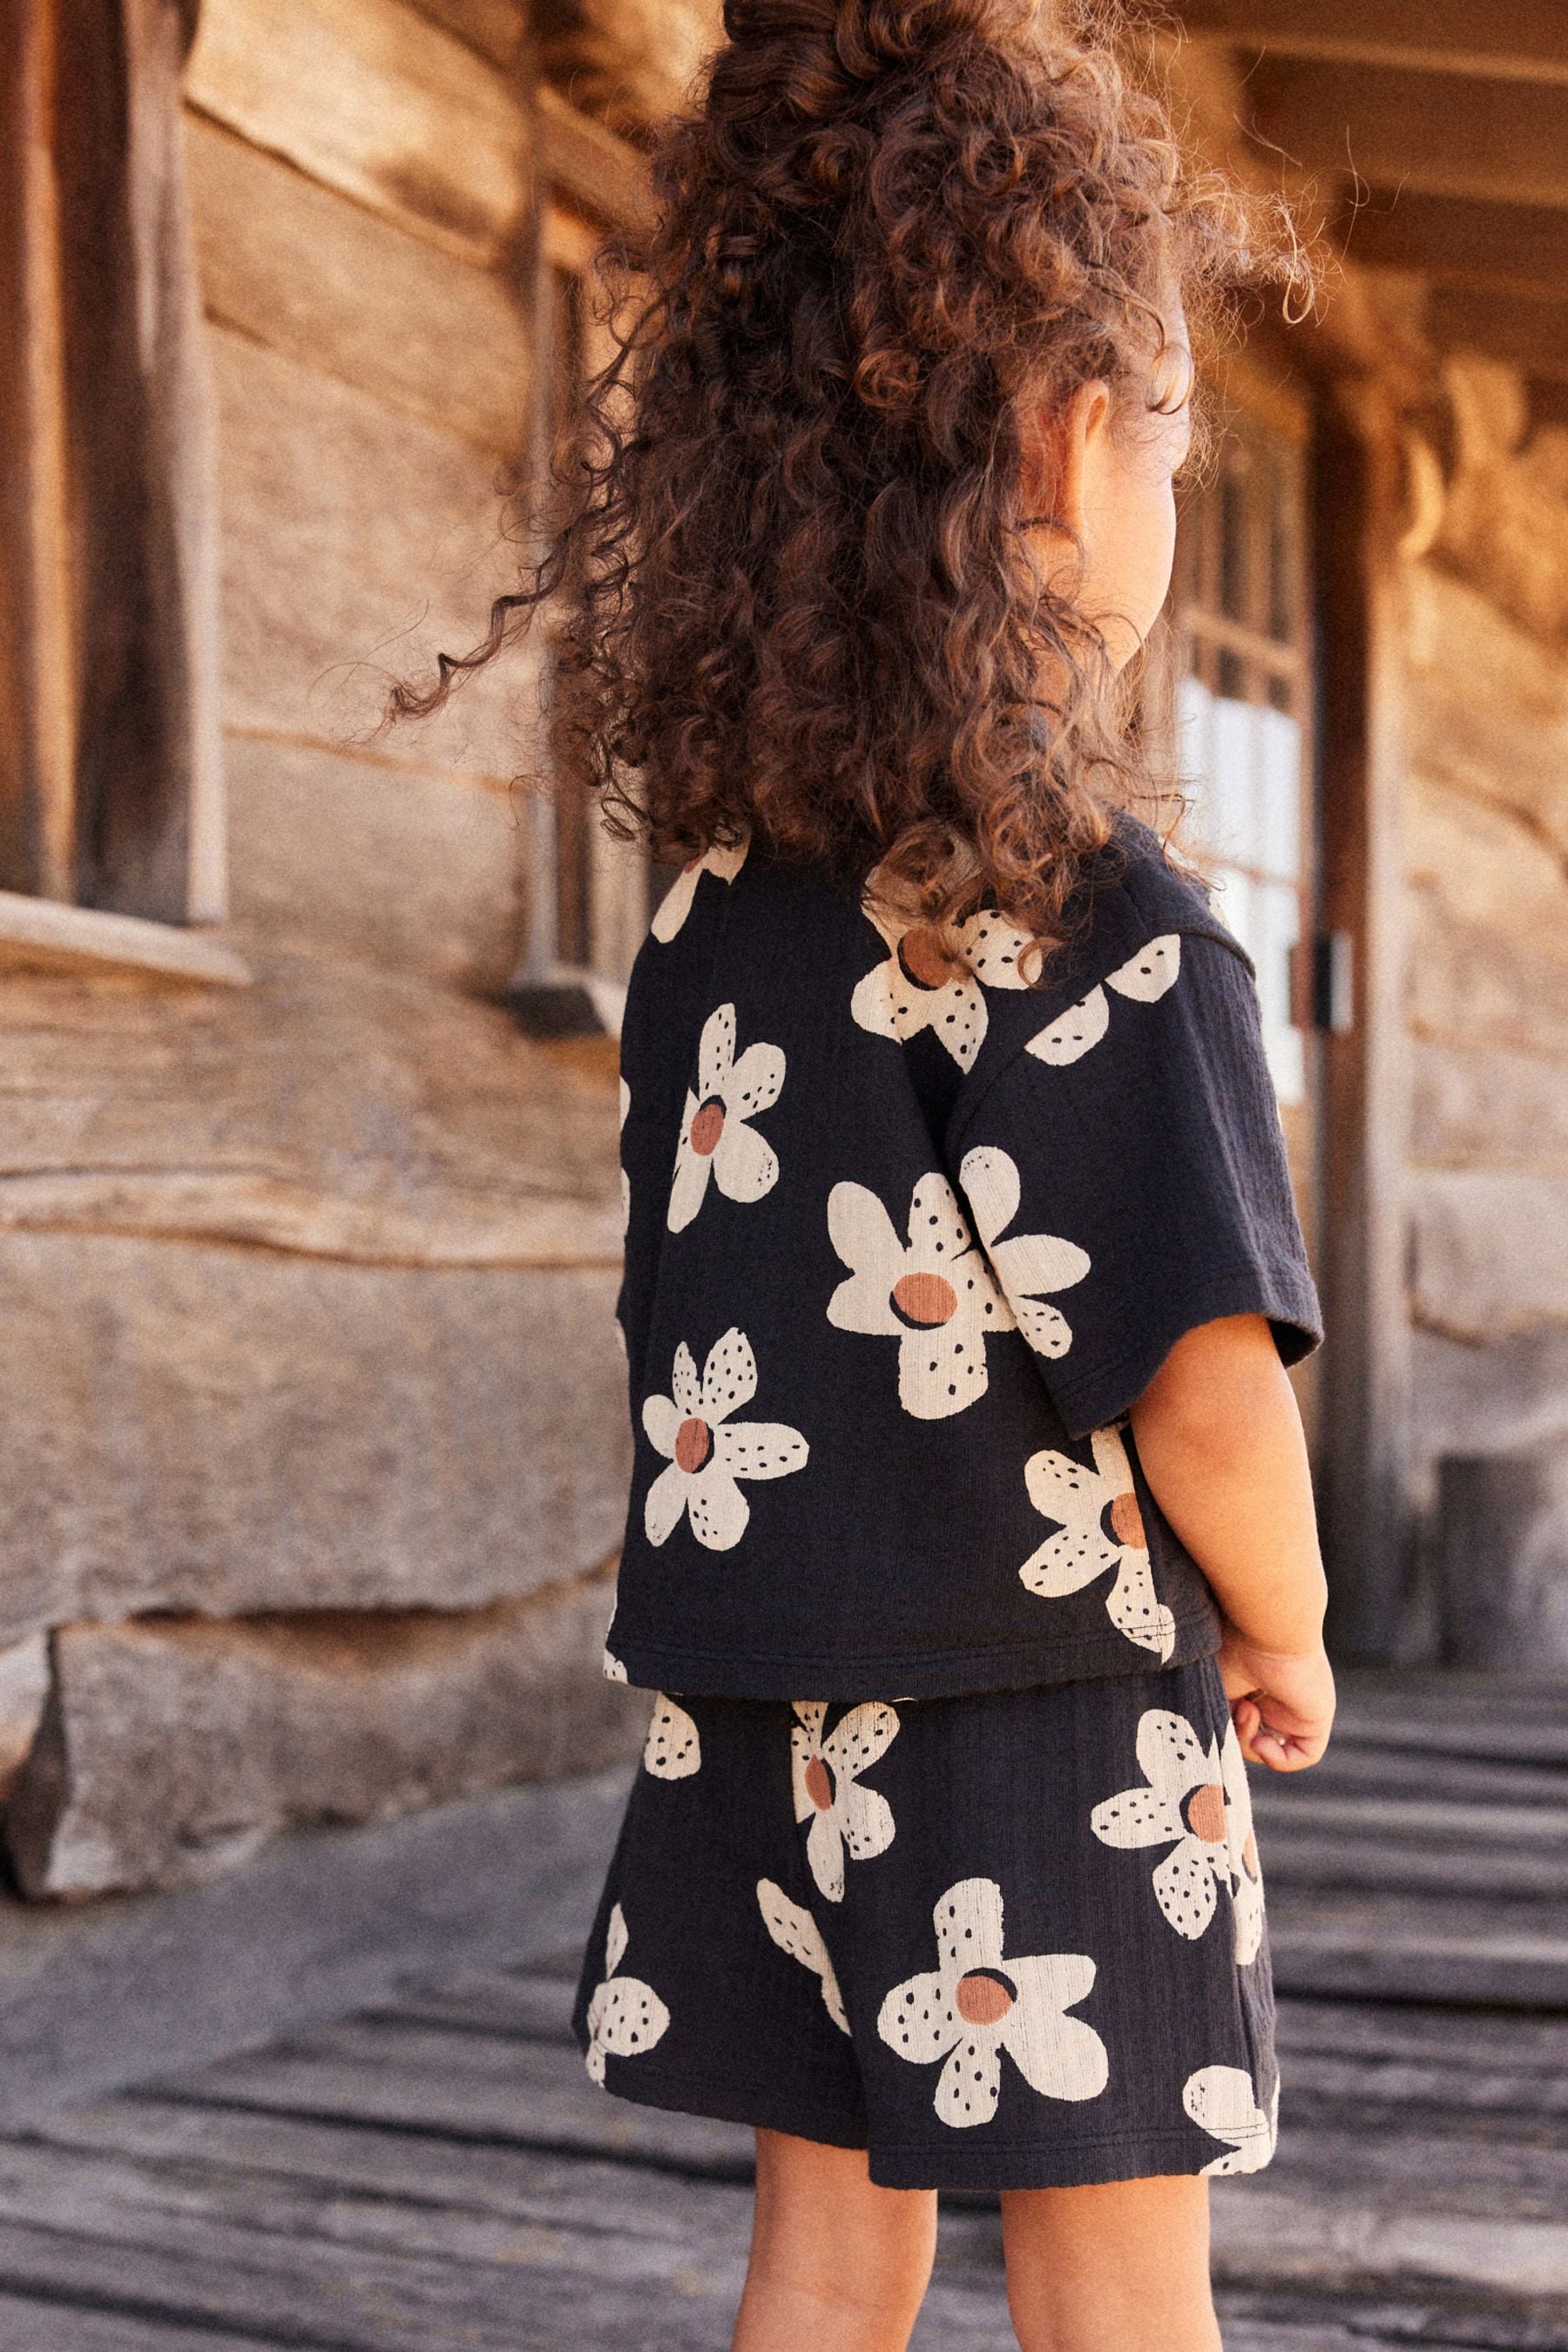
x=1221 y=2101
x=935 y=1295
x=1099 y=1526
x=715 y=1139
x=626 y=1180
x=706 y=1453
x=1029 y=1264
x=614 y=1670
x=794 y=1931
x=918 y=986
x=722 y=861
x=1246 y=1870
x=977 y=2002
x=1144 y=978
x=673 y=1749
x=1187 y=1806
x=625 y=2017
x=824 y=1773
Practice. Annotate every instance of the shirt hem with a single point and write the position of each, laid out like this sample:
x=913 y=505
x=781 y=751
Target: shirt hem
x=955 y=1675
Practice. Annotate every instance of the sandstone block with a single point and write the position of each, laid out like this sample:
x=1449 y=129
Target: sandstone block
x=1503 y=1531
x=171 y=1748
x=1490 y=1251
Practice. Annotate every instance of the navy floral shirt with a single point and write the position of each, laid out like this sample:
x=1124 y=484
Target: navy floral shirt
x=904 y=1243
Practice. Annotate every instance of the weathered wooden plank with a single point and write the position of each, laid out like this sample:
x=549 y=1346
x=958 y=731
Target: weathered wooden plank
x=1496 y=138
x=1418 y=1947
x=1527 y=330
x=297 y=267
x=182 y=1488
x=518 y=2095
x=1261 y=2231
x=377 y=102
x=587 y=166
x=501 y=2002
x=397 y=528
x=1521 y=38
x=628 y=62
x=328 y=1111
x=497 y=29
x=1459 y=240
x=41 y=935
x=391 y=867
x=172 y=1748
x=95 y=1996
x=28 y=2325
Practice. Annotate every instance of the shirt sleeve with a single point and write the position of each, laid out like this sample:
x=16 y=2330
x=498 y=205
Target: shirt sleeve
x=1126 y=1171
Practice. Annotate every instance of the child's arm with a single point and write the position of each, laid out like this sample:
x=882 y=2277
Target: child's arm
x=1220 y=1440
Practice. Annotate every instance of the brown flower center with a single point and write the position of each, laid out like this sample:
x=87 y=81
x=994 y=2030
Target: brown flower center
x=818 y=1784
x=1206 y=1813
x=921 y=958
x=925 y=1298
x=693 y=1444
x=1126 y=1522
x=708 y=1125
x=983 y=1999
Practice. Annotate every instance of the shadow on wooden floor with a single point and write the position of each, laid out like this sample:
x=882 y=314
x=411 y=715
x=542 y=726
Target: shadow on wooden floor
x=437 y=2175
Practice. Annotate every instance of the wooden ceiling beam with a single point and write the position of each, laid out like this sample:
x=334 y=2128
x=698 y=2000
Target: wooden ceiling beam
x=1503 y=141
x=1460 y=240
x=1531 y=334
x=1525 y=39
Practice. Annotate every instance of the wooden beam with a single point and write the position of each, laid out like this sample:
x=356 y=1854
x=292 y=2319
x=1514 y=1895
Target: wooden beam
x=1524 y=39
x=588 y=165
x=1460 y=240
x=37 y=596
x=1503 y=141
x=1531 y=334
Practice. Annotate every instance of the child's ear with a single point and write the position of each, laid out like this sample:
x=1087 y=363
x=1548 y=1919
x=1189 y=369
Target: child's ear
x=1062 y=444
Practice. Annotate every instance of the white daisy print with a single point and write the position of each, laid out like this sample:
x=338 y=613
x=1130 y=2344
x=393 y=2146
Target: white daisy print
x=1143 y=977
x=706 y=1453
x=1186 y=1808
x=1029 y=1265
x=1221 y=2101
x=1099 y=1526
x=934 y=1294
x=918 y=986
x=672 y=1750
x=978 y=2002
x=824 y=1773
x=1246 y=1870
x=794 y=1931
x=614 y=1670
x=715 y=1136
x=625 y=2017
x=722 y=863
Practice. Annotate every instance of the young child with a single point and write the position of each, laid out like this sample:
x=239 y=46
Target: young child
x=970 y=1537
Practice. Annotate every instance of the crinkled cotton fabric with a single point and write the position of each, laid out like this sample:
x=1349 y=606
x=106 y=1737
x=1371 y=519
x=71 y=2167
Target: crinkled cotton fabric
x=1007 y=1940
x=906 y=1239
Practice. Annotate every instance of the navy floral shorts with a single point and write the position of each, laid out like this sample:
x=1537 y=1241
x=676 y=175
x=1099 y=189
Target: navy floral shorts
x=1010 y=1940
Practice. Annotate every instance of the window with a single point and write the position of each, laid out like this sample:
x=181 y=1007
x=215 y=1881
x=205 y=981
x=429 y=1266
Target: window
x=1243 y=707
x=111 y=797
x=590 y=899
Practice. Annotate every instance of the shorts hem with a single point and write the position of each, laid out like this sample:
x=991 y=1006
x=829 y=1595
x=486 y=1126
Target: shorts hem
x=1081 y=2164
x=757 y=2106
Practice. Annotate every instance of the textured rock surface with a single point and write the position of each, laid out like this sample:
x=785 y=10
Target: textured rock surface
x=171 y=1748
x=227 y=1429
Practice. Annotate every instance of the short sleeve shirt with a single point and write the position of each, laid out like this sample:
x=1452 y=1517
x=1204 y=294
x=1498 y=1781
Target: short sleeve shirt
x=905 y=1242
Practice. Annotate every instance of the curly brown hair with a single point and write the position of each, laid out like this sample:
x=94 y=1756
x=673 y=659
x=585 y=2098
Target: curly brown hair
x=793 y=570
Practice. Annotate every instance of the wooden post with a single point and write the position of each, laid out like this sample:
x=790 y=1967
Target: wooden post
x=1364 y=1431
x=37 y=761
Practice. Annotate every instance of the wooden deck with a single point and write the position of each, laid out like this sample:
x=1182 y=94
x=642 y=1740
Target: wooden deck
x=438 y=2174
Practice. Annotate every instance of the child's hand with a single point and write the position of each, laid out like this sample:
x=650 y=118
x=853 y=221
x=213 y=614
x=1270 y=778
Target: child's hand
x=1281 y=1701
